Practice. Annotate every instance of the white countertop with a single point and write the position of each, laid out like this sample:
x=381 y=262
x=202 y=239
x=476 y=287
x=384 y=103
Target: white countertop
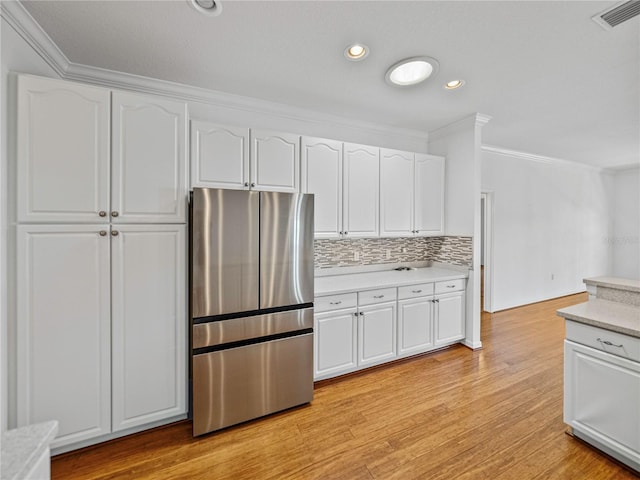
x=614 y=282
x=613 y=316
x=22 y=448
x=354 y=282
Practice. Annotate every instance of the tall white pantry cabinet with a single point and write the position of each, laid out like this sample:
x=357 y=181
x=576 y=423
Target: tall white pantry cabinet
x=101 y=259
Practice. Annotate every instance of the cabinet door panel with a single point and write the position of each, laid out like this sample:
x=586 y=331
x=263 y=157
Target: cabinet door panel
x=429 y=196
x=62 y=150
x=396 y=193
x=63 y=332
x=322 y=176
x=336 y=346
x=149 y=324
x=449 y=318
x=149 y=182
x=376 y=334
x=219 y=156
x=275 y=161
x=415 y=326
x=361 y=191
x=602 y=395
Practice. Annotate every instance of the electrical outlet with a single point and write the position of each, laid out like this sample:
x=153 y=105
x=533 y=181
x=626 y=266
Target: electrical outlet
x=388 y=253
x=356 y=256
x=553 y=276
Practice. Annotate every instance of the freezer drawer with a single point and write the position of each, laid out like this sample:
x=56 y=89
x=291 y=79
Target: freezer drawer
x=238 y=384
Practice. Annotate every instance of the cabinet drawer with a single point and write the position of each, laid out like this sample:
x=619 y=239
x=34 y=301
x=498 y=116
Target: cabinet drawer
x=413 y=291
x=335 y=302
x=605 y=340
x=377 y=296
x=450 y=286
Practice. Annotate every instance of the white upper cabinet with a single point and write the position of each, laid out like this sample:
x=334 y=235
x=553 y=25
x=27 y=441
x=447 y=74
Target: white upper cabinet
x=219 y=156
x=148 y=323
x=322 y=176
x=62 y=151
x=429 y=195
x=361 y=187
x=149 y=166
x=396 y=193
x=63 y=332
x=275 y=161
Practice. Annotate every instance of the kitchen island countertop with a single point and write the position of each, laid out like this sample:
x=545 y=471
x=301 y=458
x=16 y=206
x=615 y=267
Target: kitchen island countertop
x=354 y=282
x=613 y=316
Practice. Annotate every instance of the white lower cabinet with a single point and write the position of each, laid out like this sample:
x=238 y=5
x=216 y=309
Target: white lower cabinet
x=377 y=333
x=385 y=324
x=602 y=397
x=335 y=342
x=101 y=327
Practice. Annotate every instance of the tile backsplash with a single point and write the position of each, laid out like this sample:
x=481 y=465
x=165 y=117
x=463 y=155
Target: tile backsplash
x=371 y=251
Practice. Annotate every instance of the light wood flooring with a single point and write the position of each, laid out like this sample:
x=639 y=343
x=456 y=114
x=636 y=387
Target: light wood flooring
x=492 y=414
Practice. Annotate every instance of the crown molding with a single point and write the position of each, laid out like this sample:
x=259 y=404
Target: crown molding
x=532 y=157
x=466 y=123
x=20 y=19
x=24 y=24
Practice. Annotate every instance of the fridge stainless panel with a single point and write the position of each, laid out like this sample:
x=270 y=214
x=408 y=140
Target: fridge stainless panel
x=286 y=249
x=238 y=384
x=225 y=265
x=256 y=326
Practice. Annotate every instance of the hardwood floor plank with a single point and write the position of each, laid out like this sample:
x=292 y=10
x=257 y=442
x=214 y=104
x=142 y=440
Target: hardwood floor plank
x=494 y=413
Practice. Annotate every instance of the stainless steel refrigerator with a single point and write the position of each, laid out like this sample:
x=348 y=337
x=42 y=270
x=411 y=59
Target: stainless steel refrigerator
x=251 y=305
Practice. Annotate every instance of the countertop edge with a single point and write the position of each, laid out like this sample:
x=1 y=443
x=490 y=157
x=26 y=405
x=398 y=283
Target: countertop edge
x=580 y=313
x=625 y=284
x=22 y=447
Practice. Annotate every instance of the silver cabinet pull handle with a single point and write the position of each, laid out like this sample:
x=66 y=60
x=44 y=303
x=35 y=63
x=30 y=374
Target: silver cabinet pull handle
x=335 y=303
x=416 y=291
x=451 y=286
x=103 y=233
x=378 y=296
x=609 y=344
x=102 y=213
x=115 y=233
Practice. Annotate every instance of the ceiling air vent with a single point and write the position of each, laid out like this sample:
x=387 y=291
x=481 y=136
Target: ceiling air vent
x=620 y=13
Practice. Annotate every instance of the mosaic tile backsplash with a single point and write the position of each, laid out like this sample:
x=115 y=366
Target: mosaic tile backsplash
x=371 y=251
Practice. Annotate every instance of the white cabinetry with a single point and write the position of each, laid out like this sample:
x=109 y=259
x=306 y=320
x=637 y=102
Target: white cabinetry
x=602 y=390
x=275 y=161
x=322 y=176
x=63 y=332
x=449 y=318
x=361 y=187
x=149 y=165
x=415 y=319
x=377 y=333
x=335 y=335
x=411 y=193
x=148 y=327
x=219 y=156
x=101 y=299
x=63 y=151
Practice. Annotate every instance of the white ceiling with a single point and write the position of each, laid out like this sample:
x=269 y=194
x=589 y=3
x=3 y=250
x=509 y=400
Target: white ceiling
x=555 y=83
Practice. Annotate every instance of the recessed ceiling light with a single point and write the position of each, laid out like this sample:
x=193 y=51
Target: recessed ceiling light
x=453 y=84
x=356 y=52
x=411 y=71
x=208 y=7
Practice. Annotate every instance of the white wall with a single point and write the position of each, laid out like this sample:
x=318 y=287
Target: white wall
x=460 y=144
x=15 y=56
x=625 y=239
x=551 y=223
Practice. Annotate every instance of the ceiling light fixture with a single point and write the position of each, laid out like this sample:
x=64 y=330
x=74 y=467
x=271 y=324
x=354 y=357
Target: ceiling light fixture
x=356 y=52
x=453 y=84
x=212 y=8
x=411 y=71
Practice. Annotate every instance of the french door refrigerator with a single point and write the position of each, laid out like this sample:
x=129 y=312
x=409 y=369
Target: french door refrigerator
x=251 y=305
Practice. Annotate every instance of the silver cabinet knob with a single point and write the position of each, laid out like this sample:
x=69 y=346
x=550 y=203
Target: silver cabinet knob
x=102 y=213
x=246 y=184
x=114 y=214
x=114 y=233
x=346 y=233
x=362 y=314
x=253 y=184
x=103 y=233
